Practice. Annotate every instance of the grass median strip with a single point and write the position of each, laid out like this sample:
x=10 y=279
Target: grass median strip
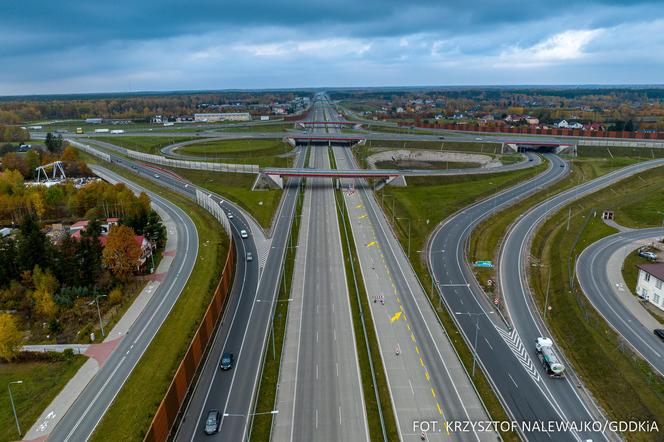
x=486 y=238
x=427 y=201
x=262 y=422
x=130 y=415
x=594 y=350
x=151 y=145
x=382 y=423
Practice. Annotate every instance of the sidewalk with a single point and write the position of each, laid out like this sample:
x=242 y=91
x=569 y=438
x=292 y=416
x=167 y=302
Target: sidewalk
x=99 y=353
x=622 y=292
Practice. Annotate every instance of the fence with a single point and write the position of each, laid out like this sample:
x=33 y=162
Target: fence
x=174 y=398
x=197 y=165
x=205 y=200
x=620 y=143
x=94 y=152
x=467 y=127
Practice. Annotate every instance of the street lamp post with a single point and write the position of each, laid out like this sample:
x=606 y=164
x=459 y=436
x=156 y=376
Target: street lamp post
x=477 y=329
x=101 y=325
x=11 y=399
x=247 y=415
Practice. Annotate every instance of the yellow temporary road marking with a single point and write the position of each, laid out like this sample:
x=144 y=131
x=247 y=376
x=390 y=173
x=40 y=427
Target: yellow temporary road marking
x=417 y=349
x=363 y=216
x=359 y=206
x=433 y=392
x=395 y=317
x=408 y=326
x=412 y=337
x=426 y=375
x=421 y=362
x=440 y=410
x=372 y=243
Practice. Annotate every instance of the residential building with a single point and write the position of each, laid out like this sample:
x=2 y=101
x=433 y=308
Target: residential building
x=564 y=124
x=649 y=284
x=213 y=117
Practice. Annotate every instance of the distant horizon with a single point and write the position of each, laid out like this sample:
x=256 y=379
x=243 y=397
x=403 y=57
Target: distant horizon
x=440 y=87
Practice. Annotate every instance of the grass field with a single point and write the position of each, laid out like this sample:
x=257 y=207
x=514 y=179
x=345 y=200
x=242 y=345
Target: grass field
x=487 y=236
x=131 y=413
x=415 y=164
x=276 y=127
x=426 y=202
x=594 y=349
x=149 y=145
x=236 y=187
x=443 y=145
x=42 y=381
x=264 y=152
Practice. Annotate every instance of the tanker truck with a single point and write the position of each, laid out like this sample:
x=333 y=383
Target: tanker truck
x=544 y=347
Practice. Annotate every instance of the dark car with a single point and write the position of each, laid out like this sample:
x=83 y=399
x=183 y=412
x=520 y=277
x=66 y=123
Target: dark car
x=212 y=422
x=659 y=333
x=226 y=361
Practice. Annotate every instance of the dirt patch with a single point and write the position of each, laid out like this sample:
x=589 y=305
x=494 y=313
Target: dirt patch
x=430 y=159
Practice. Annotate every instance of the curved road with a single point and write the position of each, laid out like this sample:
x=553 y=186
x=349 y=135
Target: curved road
x=83 y=416
x=592 y=270
x=571 y=402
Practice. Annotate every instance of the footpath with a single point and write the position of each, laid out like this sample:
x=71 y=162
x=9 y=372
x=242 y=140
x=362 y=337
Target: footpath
x=99 y=353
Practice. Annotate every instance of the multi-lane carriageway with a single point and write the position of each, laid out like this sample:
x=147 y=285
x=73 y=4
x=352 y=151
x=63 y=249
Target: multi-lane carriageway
x=236 y=428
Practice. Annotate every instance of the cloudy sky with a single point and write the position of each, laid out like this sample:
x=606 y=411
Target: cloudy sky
x=73 y=46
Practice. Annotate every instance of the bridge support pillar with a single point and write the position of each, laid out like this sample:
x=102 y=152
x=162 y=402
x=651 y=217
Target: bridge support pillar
x=266 y=181
x=397 y=181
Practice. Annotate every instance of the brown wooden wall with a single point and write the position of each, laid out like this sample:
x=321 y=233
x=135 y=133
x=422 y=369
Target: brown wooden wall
x=173 y=400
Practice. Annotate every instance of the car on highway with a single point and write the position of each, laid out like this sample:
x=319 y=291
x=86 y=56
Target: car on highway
x=478 y=139
x=243 y=234
x=230 y=215
x=212 y=422
x=156 y=176
x=648 y=255
x=226 y=361
x=250 y=257
x=659 y=333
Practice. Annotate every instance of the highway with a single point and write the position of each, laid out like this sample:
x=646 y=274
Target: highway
x=593 y=269
x=323 y=399
x=84 y=415
x=500 y=353
x=426 y=378
x=572 y=402
x=234 y=392
x=244 y=285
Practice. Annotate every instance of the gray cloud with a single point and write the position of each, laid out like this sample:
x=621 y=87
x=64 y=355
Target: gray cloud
x=86 y=46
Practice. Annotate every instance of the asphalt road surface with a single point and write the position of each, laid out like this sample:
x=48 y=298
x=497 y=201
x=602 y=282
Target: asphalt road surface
x=84 y=415
x=593 y=272
x=570 y=400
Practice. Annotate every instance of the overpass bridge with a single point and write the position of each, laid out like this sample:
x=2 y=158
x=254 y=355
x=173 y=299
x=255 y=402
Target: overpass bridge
x=539 y=146
x=318 y=139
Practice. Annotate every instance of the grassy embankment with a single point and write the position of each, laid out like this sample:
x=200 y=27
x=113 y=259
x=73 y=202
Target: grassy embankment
x=267 y=393
x=485 y=239
x=261 y=204
x=596 y=352
x=151 y=145
x=264 y=152
x=131 y=413
x=366 y=341
x=426 y=202
x=43 y=378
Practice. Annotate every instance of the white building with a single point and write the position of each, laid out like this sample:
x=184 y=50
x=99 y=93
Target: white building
x=564 y=124
x=649 y=284
x=222 y=116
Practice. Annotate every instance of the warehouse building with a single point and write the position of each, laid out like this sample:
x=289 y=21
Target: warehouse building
x=222 y=116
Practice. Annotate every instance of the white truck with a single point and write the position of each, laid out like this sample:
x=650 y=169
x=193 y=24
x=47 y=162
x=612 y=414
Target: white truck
x=544 y=347
x=117 y=131
x=102 y=131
